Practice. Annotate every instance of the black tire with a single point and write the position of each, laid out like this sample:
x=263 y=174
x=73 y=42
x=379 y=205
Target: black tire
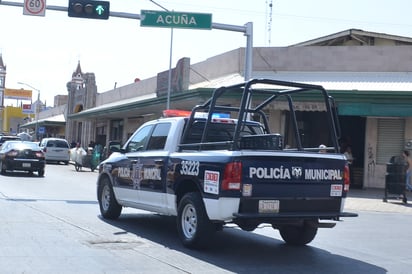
x=66 y=162
x=193 y=225
x=298 y=235
x=2 y=168
x=40 y=172
x=247 y=225
x=109 y=208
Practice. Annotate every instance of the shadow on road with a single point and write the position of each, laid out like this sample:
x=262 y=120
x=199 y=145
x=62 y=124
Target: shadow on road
x=243 y=252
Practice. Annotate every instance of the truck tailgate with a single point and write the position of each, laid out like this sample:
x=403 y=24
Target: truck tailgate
x=306 y=184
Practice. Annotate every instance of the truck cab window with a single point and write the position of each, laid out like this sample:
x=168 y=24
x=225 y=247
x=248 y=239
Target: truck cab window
x=159 y=136
x=139 y=140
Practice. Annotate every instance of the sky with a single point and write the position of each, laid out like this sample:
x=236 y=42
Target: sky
x=43 y=52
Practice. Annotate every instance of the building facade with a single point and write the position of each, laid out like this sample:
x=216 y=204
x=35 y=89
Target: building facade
x=368 y=74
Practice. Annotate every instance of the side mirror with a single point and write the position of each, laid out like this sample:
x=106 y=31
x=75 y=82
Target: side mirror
x=114 y=149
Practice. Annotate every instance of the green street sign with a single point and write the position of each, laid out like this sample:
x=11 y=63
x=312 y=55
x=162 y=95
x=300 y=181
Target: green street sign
x=185 y=20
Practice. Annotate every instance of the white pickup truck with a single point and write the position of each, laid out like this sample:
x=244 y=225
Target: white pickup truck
x=221 y=164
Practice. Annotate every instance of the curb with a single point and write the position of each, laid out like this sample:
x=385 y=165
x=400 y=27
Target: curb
x=372 y=200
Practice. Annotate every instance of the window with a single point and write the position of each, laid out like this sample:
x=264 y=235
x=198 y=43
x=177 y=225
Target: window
x=139 y=139
x=61 y=143
x=50 y=144
x=159 y=136
x=218 y=132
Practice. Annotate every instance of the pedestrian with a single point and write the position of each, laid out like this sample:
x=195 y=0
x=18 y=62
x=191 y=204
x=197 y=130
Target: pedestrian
x=348 y=154
x=73 y=144
x=408 y=159
x=92 y=144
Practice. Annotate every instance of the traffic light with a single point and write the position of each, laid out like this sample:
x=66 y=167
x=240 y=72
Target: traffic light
x=89 y=9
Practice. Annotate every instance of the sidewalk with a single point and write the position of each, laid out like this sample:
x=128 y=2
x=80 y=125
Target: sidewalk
x=372 y=200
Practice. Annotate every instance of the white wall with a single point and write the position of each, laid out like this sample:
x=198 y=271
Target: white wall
x=137 y=89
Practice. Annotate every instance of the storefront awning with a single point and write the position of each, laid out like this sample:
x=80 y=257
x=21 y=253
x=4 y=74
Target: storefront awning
x=357 y=94
x=57 y=120
x=133 y=107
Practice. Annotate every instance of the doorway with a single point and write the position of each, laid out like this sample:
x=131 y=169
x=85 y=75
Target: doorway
x=353 y=134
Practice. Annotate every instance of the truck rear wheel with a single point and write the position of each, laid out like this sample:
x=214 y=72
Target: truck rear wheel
x=193 y=224
x=109 y=208
x=2 y=168
x=298 y=235
x=40 y=172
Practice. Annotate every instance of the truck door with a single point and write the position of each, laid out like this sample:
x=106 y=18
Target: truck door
x=128 y=175
x=148 y=167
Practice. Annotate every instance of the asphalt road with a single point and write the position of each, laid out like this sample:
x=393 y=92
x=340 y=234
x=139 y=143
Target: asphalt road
x=53 y=225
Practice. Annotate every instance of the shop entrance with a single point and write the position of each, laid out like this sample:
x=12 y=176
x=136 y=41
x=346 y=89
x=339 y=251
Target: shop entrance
x=313 y=133
x=353 y=134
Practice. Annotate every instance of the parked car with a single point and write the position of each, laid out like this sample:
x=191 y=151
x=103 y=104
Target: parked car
x=56 y=150
x=4 y=138
x=24 y=136
x=22 y=156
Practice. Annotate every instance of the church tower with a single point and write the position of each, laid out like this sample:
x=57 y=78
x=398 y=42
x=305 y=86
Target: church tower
x=82 y=92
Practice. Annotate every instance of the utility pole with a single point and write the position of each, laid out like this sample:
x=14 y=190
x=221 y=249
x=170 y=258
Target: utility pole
x=169 y=76
x=37 y=111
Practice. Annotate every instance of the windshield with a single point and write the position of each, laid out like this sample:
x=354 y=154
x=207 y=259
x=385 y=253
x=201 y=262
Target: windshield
x=17 y=145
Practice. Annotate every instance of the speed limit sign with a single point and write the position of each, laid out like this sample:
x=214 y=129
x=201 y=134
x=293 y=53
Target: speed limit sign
x=34 y=7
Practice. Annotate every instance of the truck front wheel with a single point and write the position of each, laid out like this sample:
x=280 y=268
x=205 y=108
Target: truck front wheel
x=193 y=224
x=298 y=235
x=109 y=208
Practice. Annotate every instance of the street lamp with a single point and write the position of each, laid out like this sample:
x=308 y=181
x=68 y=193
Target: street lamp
x=36 y=130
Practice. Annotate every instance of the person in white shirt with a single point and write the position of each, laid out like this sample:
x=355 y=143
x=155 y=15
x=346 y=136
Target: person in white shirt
x=408 y=159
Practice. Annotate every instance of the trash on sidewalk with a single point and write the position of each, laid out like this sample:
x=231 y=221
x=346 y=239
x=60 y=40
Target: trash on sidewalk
x=395 y=179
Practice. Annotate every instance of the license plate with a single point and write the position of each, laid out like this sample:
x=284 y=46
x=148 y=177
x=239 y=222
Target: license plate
x=26 y=165
x=268 y=206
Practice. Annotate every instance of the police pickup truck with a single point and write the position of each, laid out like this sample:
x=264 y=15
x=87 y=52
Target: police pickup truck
x=222 y=164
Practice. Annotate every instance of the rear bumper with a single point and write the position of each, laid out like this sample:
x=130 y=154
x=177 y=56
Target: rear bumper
x=29 y=165
x=296 y=219
x=232 y=209
x=58 y=158
x=296 y=215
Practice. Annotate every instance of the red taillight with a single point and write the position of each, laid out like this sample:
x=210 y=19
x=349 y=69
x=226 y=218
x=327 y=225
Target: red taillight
x=44 y=149
x=232 y=177
x=39 y=154
x=12 y=153
x=346 y=178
